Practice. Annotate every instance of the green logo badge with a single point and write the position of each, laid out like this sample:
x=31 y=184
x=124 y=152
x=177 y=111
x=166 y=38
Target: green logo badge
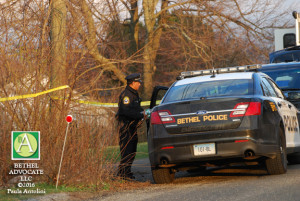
x=25 y=145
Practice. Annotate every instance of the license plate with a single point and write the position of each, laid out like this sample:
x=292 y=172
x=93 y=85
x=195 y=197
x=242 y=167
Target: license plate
x=204 y=149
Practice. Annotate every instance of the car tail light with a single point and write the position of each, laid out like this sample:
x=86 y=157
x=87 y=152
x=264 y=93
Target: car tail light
x=155 y=119
x=161 y=117
x=168 y=147
x=238 y=141
x=254 y=108
x=246 y=109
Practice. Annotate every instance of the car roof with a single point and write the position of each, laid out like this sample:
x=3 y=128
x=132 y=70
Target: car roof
x=207 y=78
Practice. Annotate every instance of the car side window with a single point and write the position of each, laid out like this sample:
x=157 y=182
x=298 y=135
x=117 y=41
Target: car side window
x=269 y=87
x=265 y=89
x=277 y=90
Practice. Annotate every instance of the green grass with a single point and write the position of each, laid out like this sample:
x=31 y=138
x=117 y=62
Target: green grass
x=48 y=189
x=113 y=152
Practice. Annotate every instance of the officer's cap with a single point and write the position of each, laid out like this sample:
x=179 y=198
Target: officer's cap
x=135 y=77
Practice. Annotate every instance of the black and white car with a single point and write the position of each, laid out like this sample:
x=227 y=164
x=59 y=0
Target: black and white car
x=221 y=116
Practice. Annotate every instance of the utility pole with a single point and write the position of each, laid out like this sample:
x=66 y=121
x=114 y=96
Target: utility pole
x=297 y=18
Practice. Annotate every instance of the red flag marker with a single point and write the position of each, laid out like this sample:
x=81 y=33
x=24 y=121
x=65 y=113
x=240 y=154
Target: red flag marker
x=69 y=118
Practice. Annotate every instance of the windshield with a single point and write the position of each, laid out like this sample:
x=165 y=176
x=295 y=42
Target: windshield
x=210 y=89
x=285 y=78
x=288 y=57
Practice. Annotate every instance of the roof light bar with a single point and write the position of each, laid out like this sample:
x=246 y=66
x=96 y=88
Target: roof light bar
x=219 y=71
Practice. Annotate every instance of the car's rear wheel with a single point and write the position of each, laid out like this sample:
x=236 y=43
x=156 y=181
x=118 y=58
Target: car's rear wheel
x=163 y=175
x=278 y=165
x=294 y=158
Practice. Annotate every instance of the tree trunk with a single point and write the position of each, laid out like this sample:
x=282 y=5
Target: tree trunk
x=134 y=27
x=58 y=43
x=148 y=72
x=152 y=42
x=58 y=55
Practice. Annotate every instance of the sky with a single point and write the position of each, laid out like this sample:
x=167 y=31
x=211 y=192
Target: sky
x=294 y=4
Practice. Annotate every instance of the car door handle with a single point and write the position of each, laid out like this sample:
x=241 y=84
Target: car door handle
x=279 y=104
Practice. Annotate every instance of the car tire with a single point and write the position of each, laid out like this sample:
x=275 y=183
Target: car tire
x=163 y=175
x=278 y=165
x=294 y=158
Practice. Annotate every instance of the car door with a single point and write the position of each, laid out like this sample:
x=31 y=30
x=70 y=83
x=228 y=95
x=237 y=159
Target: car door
x=291 y=120
x=157 y=95
x=287 y=111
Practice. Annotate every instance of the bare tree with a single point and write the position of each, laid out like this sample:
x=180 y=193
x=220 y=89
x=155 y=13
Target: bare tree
x=154 y=32
x=132 y=8
x=233 y=20
x=90 y=37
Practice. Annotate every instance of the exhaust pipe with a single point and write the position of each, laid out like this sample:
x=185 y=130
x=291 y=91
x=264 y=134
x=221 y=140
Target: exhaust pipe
x=249 y=153
x=164 y=162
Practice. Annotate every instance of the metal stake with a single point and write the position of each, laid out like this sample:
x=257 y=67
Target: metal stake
x=62 y=155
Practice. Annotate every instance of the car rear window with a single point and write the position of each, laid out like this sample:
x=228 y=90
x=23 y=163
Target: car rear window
x=234 y=87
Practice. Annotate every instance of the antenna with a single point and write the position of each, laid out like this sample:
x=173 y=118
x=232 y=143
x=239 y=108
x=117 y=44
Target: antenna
x=213 y=71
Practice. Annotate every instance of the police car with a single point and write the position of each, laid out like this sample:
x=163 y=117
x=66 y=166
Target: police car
x=221 y=116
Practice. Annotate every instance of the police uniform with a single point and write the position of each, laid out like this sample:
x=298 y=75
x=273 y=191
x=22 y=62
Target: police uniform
x=129 y=115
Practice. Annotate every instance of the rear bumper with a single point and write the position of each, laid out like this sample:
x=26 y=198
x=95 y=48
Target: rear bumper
x=182 y=152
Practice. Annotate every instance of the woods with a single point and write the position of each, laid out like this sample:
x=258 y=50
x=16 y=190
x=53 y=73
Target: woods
x=84 y=41
x=91 y=46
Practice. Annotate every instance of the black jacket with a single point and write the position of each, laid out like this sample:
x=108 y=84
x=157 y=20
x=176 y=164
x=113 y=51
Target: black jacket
x=129 y=105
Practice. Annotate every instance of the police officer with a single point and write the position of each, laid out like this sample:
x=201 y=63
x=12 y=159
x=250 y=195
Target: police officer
x=129 y=116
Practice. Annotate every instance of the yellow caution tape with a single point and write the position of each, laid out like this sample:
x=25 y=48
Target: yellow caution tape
x=97 y=103
x=147 y=103
x=144 y=103
x=33 y=95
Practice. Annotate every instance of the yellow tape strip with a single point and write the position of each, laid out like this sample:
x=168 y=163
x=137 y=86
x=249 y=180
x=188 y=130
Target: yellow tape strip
x=33 y=95
x=144 y=103
x=97 y=103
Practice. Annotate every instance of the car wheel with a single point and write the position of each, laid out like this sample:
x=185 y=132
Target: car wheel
x=278 y=165
x=163 y=175
x=294 y=158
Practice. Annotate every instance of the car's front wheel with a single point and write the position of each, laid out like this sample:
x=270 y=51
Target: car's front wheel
x=278 y=165
x=163 y=175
